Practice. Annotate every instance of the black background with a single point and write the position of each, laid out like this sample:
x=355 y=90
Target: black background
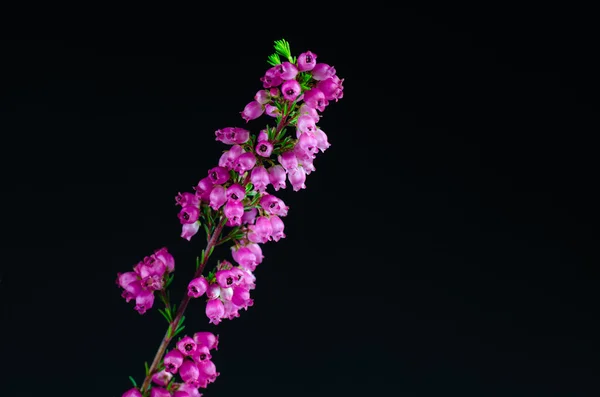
x=446 y=244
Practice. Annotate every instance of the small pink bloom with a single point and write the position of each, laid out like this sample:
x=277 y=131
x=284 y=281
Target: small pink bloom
x=218 y=175
x=277 y=226
x=233 y=210
x=208 y=339
x=277 y=177
x=310 y=111
x=262 y=97
x=188 y=214
x=159 y=392
x=173 y=360
x=244 y=162
x=287 y=71
x=245 y=257
x=164 y=255
x=197 y=287
x=215 y=311
x=264 y=148
x=189 y=372
x=322 y=142
x=186 y=346
x=249 y=216
x=273 y=205
x=260 y=178
x=225 y=279
x=189 y=230
x=132 y=393
x=272 y=111
x=182 y=393
x=202 y=353
x=144 y=301
x=218 y=197
x=272 y=77
x=187 y=198
x=306 y=61
x=297 y=178
x=236 y=192
x=332 y=88
x=307 y=143
x=162 y=378
x=290 y=90
x=252 y=111
x=315 y=98
x=288 y=161
x=322 y=71
x=228 y=157
x=186 y=390
x=232 y=135
x=204 y=188
x=261 y=231
x=213 y=291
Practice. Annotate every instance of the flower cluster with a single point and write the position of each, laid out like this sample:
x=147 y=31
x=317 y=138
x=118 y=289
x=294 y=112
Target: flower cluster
x=148 y=275
x=236 y=203
x=191 y=359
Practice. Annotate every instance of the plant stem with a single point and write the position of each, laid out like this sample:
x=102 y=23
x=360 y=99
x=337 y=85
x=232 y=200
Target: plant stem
x=214 y=238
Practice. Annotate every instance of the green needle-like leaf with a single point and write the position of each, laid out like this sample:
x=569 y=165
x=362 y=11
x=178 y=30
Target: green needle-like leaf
x=133 y=381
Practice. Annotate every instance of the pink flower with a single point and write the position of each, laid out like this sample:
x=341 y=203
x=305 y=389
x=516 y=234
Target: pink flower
x=277 y=226
x=189 y=372
x=159 y=392
x=202 y=353
x=132 y=393
x=218 y=175
x=261 y=231
x=322 y=71
x=252 y=111
x=262 y=96
x=218 y=197
x=236 y=192
x=225 y=279
x=197 y=287
x=162 y=378
x=277 y=177
x=144 y=301
x=273 y=205
x=187 y=198
x=244 y=162
x=272 y=77
x=215 y=311
x=172 y=361
x=186 y=346
x=249 y=216
x=290 y=90
x=305 y=124
x=207 y=339
x=213 y=291
x=272 y=110
x=332 y=88
x=287 y=71
x=264 y=148
x=163 y=255
x=260 y=178
x=228 y=158
x=297 y=178
x=305 y=109
x=322 y=142
x=315 y=98
x=306 y=61
x=245 y=257
x=204 y=188
x=288 y=161
x=232 y=135
x=233 y=210
x=188 y=214
x=186 y=390
x=189 y=230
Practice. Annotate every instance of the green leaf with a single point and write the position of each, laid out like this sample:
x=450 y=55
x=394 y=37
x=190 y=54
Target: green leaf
x=197 y=262
x=165 y=314
x=206 y=229
x=133 y=381
x=282 y=48
x=146 y=367
x=202 y=257
x=211 y=250
x=273 y=60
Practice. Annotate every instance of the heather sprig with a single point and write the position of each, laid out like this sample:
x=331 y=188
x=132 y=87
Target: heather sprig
x=235 y=203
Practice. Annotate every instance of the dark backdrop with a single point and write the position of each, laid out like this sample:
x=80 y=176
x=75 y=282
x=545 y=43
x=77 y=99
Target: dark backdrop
x=446 y=244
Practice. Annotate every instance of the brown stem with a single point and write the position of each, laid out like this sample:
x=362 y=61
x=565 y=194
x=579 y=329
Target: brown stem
x=182 y=306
